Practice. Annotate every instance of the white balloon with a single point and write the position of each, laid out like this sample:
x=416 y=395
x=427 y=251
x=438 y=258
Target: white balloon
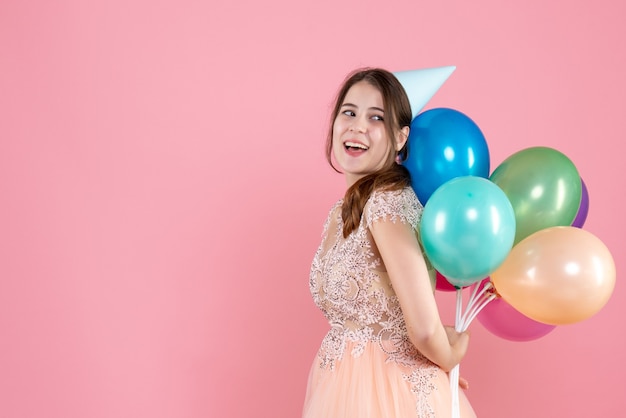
x=421 y=85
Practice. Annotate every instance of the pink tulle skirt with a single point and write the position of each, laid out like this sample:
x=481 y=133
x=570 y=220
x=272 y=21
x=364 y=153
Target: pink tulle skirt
x=367 y=386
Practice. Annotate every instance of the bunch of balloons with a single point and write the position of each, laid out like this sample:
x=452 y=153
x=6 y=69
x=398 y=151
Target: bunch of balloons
x=513 y=235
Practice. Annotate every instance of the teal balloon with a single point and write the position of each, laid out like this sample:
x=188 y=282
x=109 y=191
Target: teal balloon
x=467 y=229
x=544 y=187
x=444 y=144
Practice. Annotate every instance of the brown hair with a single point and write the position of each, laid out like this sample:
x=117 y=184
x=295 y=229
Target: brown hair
x=392 y=176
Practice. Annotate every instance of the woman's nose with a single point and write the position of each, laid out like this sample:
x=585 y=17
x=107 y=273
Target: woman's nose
x=358 y=125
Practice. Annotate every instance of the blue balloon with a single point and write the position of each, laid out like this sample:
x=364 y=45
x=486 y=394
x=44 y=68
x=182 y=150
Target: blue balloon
x=467 y=229
x=444 y=144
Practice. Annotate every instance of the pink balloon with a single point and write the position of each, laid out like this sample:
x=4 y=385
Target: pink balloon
x=502 y=320
x=443 y=284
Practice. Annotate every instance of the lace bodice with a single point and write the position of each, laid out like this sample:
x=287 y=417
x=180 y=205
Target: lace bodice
x=350 y=284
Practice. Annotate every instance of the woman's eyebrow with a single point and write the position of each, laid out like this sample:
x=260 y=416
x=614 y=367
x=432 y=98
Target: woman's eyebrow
x=355 y=106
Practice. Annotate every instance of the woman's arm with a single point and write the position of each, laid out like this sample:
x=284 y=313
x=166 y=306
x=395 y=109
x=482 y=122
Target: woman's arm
x=403 y=258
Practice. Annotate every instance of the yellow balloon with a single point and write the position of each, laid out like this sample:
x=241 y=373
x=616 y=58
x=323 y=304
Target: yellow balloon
x=558 y=275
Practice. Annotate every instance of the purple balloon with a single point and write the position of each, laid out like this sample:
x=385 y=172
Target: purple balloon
x=504 y=321
x=583 y=209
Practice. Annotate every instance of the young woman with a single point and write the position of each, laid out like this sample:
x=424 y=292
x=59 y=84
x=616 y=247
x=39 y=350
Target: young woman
x=387 y=352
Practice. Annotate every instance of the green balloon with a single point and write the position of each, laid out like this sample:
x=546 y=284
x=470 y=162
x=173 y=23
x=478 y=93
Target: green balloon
x=544 y=188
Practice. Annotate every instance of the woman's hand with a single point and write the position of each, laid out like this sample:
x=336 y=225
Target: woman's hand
x=459 y=342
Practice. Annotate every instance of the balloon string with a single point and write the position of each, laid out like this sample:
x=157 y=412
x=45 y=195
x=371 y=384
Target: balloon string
x=459 y=308
x=454 y=386
x=471 y=315
x=475 y=289
x=479 y=298
x=454 y=374
x=487 y=287
x=476 y=303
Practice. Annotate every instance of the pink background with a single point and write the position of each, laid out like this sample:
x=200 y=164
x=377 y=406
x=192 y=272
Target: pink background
x=163 y=190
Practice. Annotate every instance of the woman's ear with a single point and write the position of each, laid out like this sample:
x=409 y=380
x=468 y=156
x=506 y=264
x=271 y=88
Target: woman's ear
x=402 y=137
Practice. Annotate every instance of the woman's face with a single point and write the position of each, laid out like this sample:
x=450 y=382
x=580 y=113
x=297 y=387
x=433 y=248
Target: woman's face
x=361 y=144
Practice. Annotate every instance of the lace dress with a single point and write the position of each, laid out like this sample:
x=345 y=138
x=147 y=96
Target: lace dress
x=366 y=366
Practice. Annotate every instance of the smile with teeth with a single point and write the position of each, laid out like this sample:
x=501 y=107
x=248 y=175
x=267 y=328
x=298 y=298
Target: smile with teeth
x=354 y=146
